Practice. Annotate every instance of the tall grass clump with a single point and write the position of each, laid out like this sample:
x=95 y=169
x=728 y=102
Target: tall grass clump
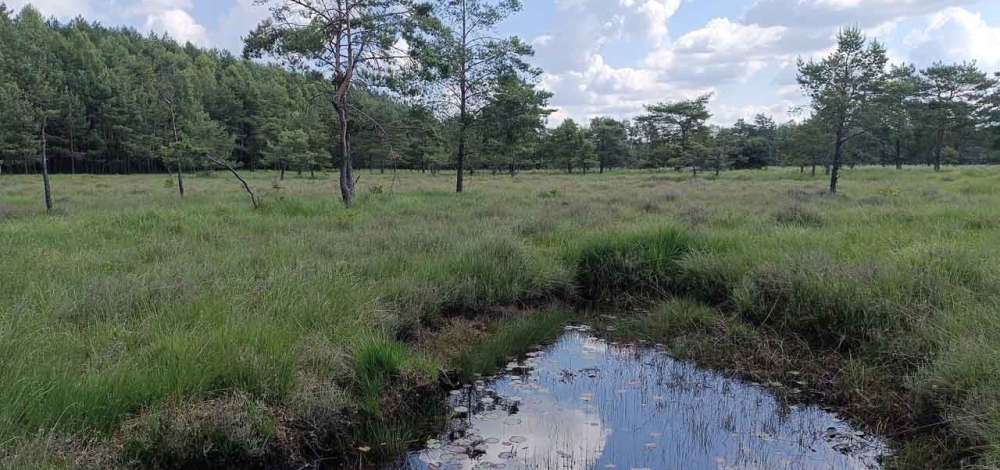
x=496 y=269
x=511 y=338
x=636 y=262
x=377 y=361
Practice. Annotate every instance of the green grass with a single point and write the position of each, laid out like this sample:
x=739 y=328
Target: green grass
x=127 y=297
x=377 y=360
x=510 y=339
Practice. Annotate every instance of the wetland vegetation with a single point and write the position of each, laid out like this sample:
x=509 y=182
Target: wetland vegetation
x=152 y=329
x=418 y=235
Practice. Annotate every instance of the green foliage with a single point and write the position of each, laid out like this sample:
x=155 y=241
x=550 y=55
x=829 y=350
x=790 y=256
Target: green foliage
x=844 y=88
x=513 y=121
x=572 y=147
x=611 y=142
x=953 y=94
x=112 y=99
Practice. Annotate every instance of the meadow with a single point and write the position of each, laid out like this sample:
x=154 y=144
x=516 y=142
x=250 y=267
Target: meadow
x=141 y=329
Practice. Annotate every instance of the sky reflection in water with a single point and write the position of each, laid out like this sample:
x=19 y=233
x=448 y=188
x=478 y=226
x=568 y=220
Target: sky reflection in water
x=586 y=404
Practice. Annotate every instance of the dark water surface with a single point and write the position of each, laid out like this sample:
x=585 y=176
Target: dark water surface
x=584 y=403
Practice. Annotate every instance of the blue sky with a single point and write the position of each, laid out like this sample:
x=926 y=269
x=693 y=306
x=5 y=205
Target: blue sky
x=612 y=57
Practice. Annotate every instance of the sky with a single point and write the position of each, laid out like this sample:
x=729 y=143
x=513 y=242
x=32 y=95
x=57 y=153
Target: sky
x=613 y=57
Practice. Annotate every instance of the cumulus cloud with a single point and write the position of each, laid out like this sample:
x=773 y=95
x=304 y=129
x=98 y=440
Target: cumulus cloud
x=954 y=35
x=179 y=24
x=582 y=27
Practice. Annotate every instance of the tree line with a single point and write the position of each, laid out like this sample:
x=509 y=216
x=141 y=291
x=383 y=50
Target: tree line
x=402 y=84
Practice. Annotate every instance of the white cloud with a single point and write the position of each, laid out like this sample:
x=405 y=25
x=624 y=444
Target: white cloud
x=179 y=24
x=954 y=35
x=727 y=114
x=583 y=27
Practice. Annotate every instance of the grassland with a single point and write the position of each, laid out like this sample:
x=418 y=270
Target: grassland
x=130 y=317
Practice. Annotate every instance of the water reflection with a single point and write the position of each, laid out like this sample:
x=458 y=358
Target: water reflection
x=586 y=404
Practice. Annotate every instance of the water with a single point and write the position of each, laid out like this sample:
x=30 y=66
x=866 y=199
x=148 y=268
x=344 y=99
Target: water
x=586 y=404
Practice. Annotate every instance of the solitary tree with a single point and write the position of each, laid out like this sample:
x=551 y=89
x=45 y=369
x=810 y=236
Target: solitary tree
x=473 y=61
x=843 y=88
x=355 y=43
x=38 y=86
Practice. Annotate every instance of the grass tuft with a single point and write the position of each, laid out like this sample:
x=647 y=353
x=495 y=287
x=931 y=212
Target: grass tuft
x=377 y=361
x=629 y=263
x=511 y=338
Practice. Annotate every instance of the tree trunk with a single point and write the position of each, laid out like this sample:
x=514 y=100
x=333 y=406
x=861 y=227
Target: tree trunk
x=346 y=165
x=45 y=168
x=463 y=85
x=180 y=178
x=814 y=171
x=835 y=170
x=938 y=148
x=899 y=154
x=460 y=165
x=177 y=138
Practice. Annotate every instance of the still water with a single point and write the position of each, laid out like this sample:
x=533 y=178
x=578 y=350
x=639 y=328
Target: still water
x=584 y=403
